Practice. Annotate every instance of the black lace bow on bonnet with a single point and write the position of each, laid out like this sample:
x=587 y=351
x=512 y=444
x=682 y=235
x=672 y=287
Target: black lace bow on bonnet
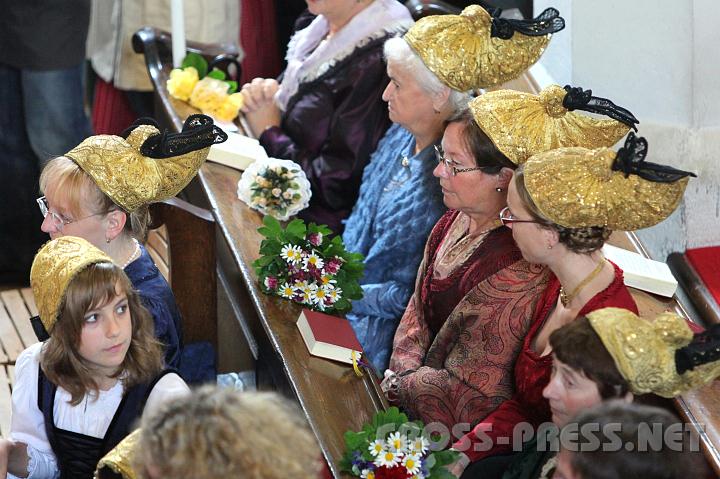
x=630 y=159
x=549 y=21
x=197 y=133
x=703 y=349
x=578 y=99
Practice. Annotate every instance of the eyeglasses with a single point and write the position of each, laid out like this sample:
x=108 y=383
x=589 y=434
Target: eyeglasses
x=57 y=220
x=448 y=164
x=507 y=218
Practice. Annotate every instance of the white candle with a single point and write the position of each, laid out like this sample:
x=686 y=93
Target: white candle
x=178 y=32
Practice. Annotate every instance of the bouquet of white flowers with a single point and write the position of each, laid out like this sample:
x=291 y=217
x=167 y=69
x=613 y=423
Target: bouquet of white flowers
x=278 y=188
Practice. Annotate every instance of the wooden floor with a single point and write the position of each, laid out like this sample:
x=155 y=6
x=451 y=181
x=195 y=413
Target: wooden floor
x=16 y=334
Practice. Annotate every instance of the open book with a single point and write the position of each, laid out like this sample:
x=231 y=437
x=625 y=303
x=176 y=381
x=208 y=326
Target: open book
x=328 y=336
x=237 y=152
x=641 y=272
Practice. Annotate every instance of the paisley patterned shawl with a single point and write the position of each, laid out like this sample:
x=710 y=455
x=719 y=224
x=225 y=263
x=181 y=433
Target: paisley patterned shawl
x=463 y=372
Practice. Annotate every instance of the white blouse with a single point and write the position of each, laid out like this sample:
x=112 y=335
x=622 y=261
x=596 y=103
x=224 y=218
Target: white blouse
x=92 y=416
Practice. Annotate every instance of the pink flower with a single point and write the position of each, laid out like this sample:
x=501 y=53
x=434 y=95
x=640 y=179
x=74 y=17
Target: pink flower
x=315 y=239
x=333 y=265
x=271 y=282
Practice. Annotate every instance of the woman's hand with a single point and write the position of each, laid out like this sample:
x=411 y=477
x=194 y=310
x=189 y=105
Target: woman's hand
x=263 y=118
x=458 y=467
x=258 y=93
x=13 y=458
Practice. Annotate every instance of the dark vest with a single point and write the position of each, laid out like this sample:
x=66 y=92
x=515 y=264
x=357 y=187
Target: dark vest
x=77 y=454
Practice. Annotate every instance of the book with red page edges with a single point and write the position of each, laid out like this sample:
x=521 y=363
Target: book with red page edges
x=328 y=336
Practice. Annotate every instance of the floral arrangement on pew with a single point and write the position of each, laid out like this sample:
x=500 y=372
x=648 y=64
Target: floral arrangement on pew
x=391 y=447
x=303 y=264
x=209 y=92
x=275 y=187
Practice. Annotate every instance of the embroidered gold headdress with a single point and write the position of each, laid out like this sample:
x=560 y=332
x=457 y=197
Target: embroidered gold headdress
x=147 y=166
x=522 y=124
x=120 y=459
x=479 y=50
x=54 y=266
x=661 y=356
x=577 y=187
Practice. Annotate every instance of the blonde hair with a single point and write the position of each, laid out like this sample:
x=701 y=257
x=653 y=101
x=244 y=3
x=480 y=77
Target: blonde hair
x=71 y=185
x=224 y=433
x=60 y=360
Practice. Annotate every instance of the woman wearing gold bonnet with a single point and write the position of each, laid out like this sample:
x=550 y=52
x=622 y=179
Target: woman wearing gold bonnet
x=562 y=205
x=612 y=355
x=100 y=191
x=400 y=201
x=473 y=278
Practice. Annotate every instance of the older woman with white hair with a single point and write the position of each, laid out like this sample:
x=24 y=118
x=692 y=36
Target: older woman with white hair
x=400 y=200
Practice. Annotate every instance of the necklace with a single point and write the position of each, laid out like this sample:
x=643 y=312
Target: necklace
x=134 y=253
x=565 y=298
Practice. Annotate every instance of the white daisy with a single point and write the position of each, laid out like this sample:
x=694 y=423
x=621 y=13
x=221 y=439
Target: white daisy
x=397 y=442
x=420 y=445
x=388 y=458
x=412 y=463
x=334 y=294
x=314 y=260
x=286 y=291
x=291 y=253
x=367 y=474
x=376 y=447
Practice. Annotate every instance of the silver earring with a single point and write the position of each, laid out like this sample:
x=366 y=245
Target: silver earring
x=107 y=240
x=498 y=189
x=549 y=246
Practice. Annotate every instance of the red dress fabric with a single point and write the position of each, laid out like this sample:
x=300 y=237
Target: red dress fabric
x=259 y=40
x=532 y=374
x=706 y=262
x=482 y=310
x=111 y=112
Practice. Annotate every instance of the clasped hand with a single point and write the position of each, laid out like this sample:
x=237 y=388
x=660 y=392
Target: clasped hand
x=259 y=107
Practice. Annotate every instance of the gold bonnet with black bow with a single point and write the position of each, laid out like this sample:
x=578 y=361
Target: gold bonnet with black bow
x=146 y=166
x=523 y=124
x=663 y=356
x=477 y=49
x=578 y=187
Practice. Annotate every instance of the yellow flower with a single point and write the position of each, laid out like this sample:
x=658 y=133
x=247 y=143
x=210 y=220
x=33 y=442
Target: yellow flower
x=181 y=82
x=208 y=95
x=228 y=109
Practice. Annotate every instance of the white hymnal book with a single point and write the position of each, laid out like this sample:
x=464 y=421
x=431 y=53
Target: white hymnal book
x=238 y=152
x=641 y=272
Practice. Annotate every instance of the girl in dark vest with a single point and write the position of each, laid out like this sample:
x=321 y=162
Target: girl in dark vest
x=79 y=393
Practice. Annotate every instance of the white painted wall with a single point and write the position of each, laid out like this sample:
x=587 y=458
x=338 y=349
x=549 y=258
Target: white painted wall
x=661 y=60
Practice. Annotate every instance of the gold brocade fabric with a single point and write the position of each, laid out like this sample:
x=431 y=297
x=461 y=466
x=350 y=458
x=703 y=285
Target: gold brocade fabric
x=459 y=50
x=522 y=124
x=120 y=458
x=54 y=266
x=128 y=177
x=644 y=351
x=576 y=187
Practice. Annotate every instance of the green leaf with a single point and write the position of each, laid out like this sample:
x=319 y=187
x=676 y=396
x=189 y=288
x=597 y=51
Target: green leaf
x=232 y=86
x=446 y=457
x=296 y=228
x=217 y=74
x=196 y=60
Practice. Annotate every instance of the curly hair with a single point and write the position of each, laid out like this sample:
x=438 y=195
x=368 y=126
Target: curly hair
x=578 y=240
x=65 y=180
x=60 y=360
x=224 y=433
